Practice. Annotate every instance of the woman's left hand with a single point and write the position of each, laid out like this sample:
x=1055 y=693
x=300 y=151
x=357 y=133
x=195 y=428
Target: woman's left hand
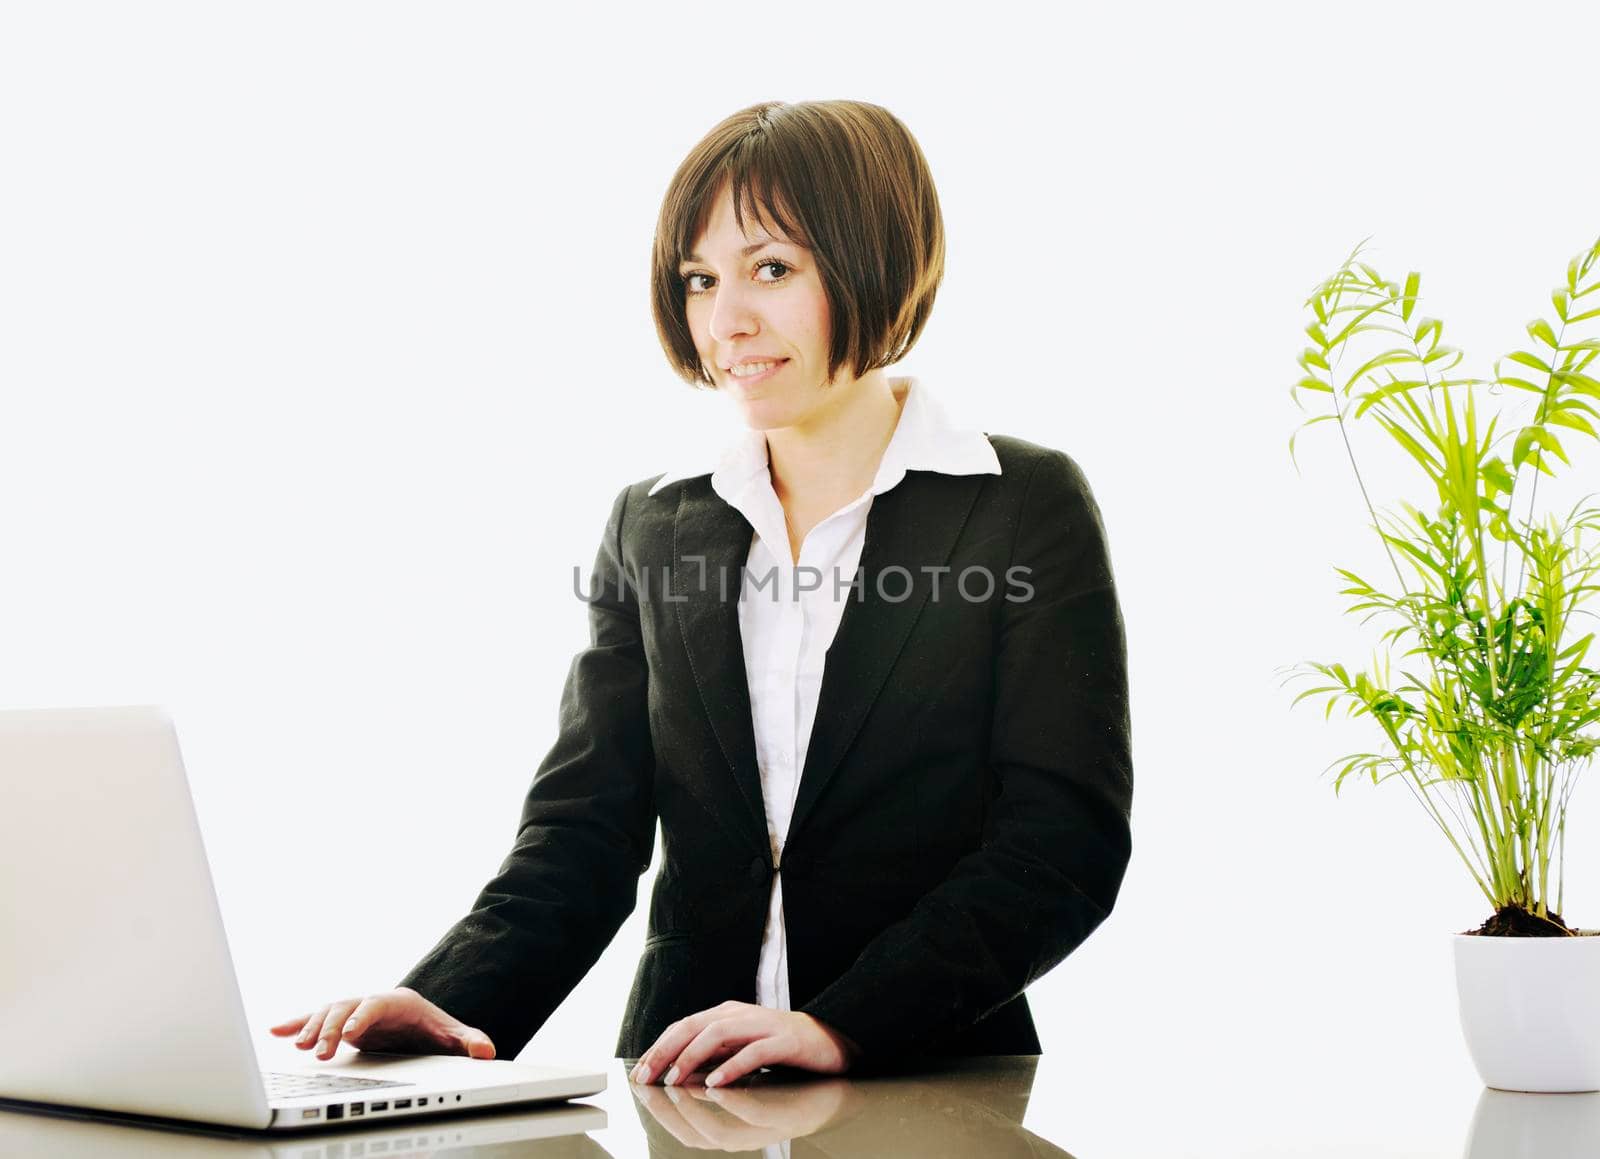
x=742 y=1037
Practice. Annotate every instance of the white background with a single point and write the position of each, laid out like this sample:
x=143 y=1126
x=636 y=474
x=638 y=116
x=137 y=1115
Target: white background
x=325 y=346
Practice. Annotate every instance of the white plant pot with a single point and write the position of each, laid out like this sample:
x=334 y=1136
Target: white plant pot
x=1530 y=1010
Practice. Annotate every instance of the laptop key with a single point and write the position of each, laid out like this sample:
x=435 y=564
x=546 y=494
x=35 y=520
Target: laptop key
x=293 y=1086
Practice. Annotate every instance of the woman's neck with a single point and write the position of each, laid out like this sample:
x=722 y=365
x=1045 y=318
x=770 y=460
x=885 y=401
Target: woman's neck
x=834 y=457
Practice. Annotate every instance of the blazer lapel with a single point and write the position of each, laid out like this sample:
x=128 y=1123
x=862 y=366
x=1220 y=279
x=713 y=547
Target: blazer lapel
x=710 y=546
x=912 y=526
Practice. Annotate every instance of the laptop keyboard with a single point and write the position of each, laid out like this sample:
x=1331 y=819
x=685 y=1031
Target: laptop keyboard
x=294 y=1086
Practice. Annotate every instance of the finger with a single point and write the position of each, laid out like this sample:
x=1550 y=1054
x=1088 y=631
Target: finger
x=333 y=1027
x=672 y=1040
x=661 y=1053
x=307 y=1038
x=454 y=1035
x=719 y=1040
x=291 y=1026
x=473 y=1042
x=760 y=1053
x=359 y=1024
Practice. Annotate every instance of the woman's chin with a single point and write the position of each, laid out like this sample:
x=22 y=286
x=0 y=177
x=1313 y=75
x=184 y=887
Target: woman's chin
x=764 y=413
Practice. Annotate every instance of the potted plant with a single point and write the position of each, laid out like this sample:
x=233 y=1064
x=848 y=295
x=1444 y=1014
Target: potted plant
x=1493 y=713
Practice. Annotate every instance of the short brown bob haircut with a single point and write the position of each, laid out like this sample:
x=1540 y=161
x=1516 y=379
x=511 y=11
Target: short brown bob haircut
x=846 y=180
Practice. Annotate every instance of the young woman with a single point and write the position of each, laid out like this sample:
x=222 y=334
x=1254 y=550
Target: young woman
x=868 y=672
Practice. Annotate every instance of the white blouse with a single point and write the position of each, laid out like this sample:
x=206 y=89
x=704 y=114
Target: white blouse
x=787 y=629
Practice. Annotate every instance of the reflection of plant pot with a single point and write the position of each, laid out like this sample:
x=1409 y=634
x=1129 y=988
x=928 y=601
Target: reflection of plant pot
x=1530 y=1010
x=1523 y=1126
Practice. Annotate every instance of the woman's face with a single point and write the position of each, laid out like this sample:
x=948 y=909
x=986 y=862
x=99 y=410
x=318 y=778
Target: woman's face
x=758 y=298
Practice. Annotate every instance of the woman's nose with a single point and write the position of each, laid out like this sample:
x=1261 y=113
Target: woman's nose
x=732 y=315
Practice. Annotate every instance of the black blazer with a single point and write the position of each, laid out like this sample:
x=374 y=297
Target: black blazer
x=962 y=820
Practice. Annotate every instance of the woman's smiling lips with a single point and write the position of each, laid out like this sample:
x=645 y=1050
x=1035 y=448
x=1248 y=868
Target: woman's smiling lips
x=753 y=379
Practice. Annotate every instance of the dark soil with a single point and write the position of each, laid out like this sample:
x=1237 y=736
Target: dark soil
x=1512 y=921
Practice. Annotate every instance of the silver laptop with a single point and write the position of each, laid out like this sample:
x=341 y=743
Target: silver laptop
x=117 y=991
x=547 y=1132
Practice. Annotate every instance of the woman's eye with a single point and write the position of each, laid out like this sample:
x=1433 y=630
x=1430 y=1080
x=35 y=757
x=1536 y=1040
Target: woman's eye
x=692 y=282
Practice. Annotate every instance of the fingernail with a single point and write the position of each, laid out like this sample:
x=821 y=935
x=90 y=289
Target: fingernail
x=713 y=1078
x=638 y=1069
x=672 y=1076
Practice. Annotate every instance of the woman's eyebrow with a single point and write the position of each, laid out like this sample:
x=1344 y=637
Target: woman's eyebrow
x=748 y=250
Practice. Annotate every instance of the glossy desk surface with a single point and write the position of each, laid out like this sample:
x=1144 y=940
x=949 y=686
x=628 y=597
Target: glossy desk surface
x=971 y=1107
x=991 y=1107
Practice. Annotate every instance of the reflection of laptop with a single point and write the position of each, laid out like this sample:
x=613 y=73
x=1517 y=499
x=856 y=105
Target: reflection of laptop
x=555 y=1132
x=117 y=990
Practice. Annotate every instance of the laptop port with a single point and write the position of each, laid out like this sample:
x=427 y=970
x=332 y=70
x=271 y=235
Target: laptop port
x=357 y=1109
x=335 y=1110
x=311 y=1113
x=401 y=1104
x=422 y=1102
x=380 y=1106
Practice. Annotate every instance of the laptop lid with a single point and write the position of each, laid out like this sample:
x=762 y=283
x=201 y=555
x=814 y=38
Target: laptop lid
x=117 y=990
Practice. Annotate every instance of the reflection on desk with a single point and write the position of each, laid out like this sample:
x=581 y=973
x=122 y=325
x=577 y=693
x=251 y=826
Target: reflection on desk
x=955 y=1107
x=56 y=1133
x=1517 y=1125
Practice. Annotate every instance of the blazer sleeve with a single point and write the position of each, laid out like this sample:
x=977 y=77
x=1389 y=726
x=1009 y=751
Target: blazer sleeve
x=586 y=834
x=1056 y=839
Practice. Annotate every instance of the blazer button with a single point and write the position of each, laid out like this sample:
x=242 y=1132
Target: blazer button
x=758 y=869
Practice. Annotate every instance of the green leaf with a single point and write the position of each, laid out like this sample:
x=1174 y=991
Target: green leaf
x=1495 y=474
x=1413 y=279
x=1581 y=383
x=1427 y=561
x=1580 y=647
x=1318 y=335
x=1427 y=325
x=1310 y=358
x=1564 y=419
x=1586 y=315
x=1559 y=299
x=1401 y=436
x=1549 y=442
x=1529 y=360
x=1540 y=329
x=1397 y=386
x=1523 y=445
x=1315 y=384
x=1303 y=426
x=1386 y=358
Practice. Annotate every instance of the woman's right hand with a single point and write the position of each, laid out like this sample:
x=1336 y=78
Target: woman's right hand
x=396 y=1021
